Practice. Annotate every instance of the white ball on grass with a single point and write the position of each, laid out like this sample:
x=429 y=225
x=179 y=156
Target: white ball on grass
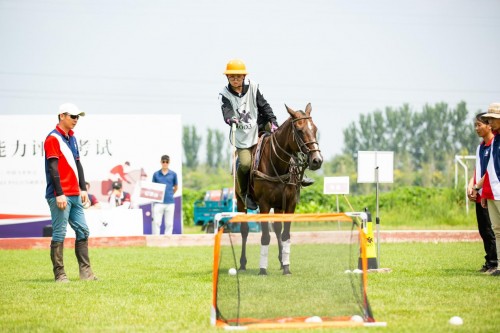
x=456 y=320
x=232 y=271
x=357 y=271
x=357 y=319
x=313 y=319
x=347 y=271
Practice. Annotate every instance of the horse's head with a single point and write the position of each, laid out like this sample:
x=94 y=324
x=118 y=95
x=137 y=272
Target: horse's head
x=304 y=132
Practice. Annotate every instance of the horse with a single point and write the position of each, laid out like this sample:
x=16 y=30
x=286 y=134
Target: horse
x=279 y=162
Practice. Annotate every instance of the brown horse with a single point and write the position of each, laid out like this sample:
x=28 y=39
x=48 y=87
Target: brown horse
x=276 y=177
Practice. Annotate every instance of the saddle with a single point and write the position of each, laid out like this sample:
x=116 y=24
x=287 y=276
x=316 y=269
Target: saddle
x=291 y=178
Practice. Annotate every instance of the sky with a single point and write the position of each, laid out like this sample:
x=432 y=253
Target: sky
x=345 y=57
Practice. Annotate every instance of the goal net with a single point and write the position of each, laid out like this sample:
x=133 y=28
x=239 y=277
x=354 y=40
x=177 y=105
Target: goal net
x=327 y=287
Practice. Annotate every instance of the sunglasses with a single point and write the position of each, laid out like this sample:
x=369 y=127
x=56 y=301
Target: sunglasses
x=165 y=161
x=73 y=116
x=236 y=77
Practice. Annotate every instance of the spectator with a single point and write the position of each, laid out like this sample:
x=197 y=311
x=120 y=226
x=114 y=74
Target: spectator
x=167 y=208
x=118 y=197
x=483 y=220
x=490 y=183
x=93 y=202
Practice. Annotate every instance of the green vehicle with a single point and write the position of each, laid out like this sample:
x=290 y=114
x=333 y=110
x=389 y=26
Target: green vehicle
x=218 y=201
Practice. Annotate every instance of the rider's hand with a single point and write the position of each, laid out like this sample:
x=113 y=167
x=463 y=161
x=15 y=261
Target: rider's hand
x=273 y=128
x=233 y=120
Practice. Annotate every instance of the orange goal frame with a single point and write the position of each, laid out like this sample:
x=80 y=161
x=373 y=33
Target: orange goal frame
x=294 y=323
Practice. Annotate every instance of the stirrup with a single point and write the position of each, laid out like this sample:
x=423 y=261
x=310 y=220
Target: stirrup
x=306 y=181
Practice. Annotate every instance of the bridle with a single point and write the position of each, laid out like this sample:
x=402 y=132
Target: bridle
x=298 y=160
x=303 y=146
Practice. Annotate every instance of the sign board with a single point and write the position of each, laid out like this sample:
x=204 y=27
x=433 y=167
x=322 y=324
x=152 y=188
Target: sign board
x=151 y=192
x=126 y=148
x=336 y=185
x=375 y=163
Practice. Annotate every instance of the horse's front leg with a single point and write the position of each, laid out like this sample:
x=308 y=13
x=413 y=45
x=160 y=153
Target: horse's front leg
x=244 y=229
x=265 y=239
x=277 y=226
x=286 y=243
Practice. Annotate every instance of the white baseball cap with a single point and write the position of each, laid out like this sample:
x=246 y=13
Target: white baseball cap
x=71 y=109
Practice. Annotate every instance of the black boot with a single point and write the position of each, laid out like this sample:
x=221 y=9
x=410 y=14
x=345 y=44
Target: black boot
x=82 y=255
x=249 y=202
x=306 y=181
x=56 y=255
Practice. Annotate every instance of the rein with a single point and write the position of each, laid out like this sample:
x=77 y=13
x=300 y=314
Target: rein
x=297 y=162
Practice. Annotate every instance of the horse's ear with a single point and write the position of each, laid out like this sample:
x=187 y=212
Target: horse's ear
x=308 y=109
x=290 y=111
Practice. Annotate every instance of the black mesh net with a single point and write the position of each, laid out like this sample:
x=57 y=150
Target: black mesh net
x=326 y=283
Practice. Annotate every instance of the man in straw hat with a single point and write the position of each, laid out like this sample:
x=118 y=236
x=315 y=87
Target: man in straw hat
x=483 y=152
x=489 y=184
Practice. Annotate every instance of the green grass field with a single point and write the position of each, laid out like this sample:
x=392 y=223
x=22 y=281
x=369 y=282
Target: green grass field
x=169 y=290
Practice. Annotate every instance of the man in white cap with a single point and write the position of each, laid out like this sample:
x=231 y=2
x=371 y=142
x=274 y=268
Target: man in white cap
x=66 y=192
x=490 y=182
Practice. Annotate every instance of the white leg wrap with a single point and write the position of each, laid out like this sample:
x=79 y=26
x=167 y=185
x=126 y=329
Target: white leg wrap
x=286 y=252
x=264 y=254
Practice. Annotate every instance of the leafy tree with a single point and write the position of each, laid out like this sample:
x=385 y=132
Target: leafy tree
x=191 y=144
x=220 y=149
x=210 y=149
x=424 y=143
x=216 y=150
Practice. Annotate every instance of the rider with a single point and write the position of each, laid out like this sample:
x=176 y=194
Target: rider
x=243 y=104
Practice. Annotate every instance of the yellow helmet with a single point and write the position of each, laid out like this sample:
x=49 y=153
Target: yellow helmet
x=235 y=66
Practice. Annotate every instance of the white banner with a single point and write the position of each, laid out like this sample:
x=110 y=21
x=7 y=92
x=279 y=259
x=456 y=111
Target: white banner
x=127 y=148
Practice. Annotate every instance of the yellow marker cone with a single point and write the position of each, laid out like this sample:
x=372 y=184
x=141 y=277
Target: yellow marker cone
x=371 y=246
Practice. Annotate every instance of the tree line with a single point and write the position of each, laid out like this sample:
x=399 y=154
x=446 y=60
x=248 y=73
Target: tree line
x=216 y=148
x=424 y=144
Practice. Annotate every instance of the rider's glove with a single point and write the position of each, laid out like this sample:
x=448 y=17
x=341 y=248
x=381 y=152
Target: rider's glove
x=273 y=128
x=232 y=120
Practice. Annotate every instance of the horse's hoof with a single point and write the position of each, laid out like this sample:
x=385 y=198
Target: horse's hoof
x=263 y=271
x=242 y=269
x=286 y=270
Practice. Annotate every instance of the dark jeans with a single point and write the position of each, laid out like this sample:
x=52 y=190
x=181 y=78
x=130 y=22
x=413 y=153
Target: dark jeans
x=484 y=227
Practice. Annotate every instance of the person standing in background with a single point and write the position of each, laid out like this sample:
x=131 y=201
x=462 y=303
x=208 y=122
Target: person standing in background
x=483 y=129
x=66 y=193
x=167 y=207
x=490 y=182
x=93 y=202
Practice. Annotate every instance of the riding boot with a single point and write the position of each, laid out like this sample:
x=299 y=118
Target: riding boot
x=82 y=255
x=56 y=255
x=306 y=181
x=247 y=198
x=250 y=203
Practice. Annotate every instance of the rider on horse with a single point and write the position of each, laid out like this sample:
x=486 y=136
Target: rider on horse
x=243 y=104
